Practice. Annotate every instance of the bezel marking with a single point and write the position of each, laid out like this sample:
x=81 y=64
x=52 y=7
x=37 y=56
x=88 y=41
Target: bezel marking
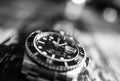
x=33 y=34
x=57 y=63
x=30 y=44
x=66 y=64
x=41 y=57
x=82 y=50
x=30 y=39
x=33 y=50
x=71 y=63
x=50 y=61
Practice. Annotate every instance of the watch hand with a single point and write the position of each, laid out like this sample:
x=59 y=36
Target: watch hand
x=63 y=44
x=58 y=40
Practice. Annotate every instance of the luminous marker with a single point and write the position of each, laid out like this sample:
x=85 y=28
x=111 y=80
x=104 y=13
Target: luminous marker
x=44 y=38
x=36 y=53
x=61 y=58
x=49 y=60
x=69 y=56
x=30 y=44
x=41 y=42
x=51 y=37
x=54 y=42
x=40 y=47
x=44 y=53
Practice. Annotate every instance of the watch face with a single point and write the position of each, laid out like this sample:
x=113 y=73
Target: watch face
x=55 y=46
x=54 y=50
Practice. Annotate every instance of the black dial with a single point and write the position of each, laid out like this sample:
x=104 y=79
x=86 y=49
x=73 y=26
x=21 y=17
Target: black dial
x=56 y=46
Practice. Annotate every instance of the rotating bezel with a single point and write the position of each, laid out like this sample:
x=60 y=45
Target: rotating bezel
x=51 y=63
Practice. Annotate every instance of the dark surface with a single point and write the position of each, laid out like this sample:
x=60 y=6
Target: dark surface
x=10 y=62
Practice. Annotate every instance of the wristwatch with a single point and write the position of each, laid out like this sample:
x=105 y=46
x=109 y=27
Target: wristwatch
x=52 y=55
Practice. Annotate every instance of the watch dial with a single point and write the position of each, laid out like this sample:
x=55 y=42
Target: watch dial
x=54 y=50
x=56 y=46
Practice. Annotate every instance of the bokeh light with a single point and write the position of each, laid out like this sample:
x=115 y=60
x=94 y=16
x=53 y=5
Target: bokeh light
x=110 y=15
x=79 y=1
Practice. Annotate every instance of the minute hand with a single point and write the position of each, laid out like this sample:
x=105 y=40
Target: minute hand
x=63 y=44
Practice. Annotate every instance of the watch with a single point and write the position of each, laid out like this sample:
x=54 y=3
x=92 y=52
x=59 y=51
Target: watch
x=52 y=55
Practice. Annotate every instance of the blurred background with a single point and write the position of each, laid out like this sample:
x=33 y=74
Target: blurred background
x=95 y=23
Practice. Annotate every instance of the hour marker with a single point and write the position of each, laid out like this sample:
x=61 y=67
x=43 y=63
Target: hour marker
x=53 y=56
x=40 y=47
x=69 y=56
x=61 y=58
x=51 y=37
x=45 y=53
x=49 y=60
x=36 y=53
x=44 y=38
x=41 y=42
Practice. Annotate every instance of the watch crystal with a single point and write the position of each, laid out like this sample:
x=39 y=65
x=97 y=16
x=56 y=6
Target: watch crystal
x=54 y=50
x=55 y=46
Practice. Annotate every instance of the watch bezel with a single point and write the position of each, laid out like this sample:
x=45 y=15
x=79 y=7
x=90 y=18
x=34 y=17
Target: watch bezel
x=50 y=66
x=34 y=42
